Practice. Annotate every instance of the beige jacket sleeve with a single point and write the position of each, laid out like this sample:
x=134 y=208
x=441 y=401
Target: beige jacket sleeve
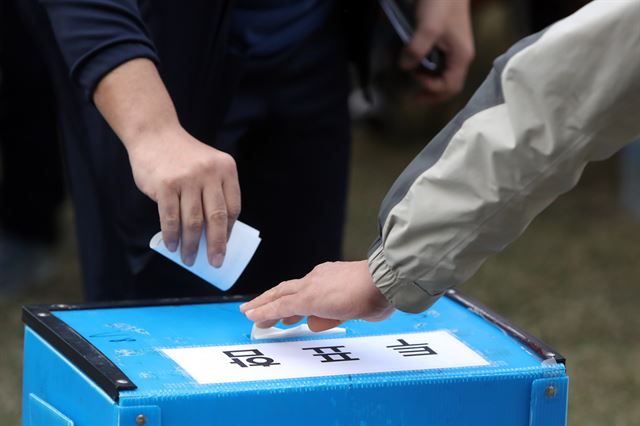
x=555 y=101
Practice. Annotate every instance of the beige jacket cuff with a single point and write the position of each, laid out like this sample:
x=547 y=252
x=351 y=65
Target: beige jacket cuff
x=404 y=296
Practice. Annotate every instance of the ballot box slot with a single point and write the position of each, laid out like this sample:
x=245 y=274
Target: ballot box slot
x=536 y=345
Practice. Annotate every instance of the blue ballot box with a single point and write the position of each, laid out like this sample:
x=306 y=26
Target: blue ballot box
x=192 y=363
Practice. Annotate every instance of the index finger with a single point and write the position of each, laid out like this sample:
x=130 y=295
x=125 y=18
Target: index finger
x=283 y=289
x=283 y=307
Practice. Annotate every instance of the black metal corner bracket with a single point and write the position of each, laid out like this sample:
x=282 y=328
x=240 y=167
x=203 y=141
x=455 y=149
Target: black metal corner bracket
x=85 y=356
x=77 y=349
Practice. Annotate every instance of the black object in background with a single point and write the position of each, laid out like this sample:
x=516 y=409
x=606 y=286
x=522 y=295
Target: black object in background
x=31 y=179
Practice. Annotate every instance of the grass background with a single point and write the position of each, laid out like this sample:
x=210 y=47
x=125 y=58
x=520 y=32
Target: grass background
x=572 y=279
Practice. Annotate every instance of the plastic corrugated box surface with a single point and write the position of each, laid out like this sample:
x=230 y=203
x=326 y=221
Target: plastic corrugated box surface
x=110 y=365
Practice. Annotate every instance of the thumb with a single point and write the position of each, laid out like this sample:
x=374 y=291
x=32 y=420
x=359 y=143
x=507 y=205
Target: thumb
x=321 y=324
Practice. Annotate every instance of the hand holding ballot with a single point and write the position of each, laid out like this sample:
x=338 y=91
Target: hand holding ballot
x=329 y=295
x=195 y=185
x=242 y=244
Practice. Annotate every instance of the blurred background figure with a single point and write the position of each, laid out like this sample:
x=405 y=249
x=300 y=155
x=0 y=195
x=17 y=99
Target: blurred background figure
x=31 y=182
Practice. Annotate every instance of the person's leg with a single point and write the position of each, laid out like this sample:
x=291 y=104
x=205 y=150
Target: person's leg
x=31 y=183
x=293 y=166
x=32 y=186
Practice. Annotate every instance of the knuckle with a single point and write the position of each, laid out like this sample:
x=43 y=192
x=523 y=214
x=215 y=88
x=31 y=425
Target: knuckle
x=228 y=167
x=194 y=224
x=228 y=161
x=269 y=294
x=318 y=269
x=277 y=292
x=172 y=183
x=287 y=286
x=217 y=216
x=171 y=222
x=220 y=162
x=194 y=211
x=208 y=164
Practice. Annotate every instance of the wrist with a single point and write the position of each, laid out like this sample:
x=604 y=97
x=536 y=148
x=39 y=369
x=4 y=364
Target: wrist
x=134 y=101
x=151 y=133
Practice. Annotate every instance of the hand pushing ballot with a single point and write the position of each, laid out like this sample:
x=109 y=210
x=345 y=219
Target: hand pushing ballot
x=242 y=244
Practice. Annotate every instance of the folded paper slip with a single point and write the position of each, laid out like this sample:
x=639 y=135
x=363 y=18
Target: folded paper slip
x=302 y=330
x=242 y=244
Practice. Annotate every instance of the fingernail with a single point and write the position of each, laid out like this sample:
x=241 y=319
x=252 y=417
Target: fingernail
x=216 y=260
x=249 y=313
x=189 y=260
x=171 y=246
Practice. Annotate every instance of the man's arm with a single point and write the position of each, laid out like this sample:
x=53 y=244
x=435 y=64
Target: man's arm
x=111 y=57
x=552 y=103
x=194 y=185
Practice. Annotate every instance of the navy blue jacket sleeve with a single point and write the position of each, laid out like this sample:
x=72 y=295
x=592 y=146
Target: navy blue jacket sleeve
x=96 y=36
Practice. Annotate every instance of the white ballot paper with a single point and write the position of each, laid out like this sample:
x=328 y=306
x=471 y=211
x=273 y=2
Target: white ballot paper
x=326 y=357
x=302 y=330
x=241 y=246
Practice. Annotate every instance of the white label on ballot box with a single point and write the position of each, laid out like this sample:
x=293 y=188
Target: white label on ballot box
x=326 y=357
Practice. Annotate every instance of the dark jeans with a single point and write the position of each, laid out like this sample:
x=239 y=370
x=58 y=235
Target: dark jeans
x=32 y=186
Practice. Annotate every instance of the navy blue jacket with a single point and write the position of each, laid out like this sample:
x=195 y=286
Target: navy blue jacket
x=185 y=39
x=96 y=36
